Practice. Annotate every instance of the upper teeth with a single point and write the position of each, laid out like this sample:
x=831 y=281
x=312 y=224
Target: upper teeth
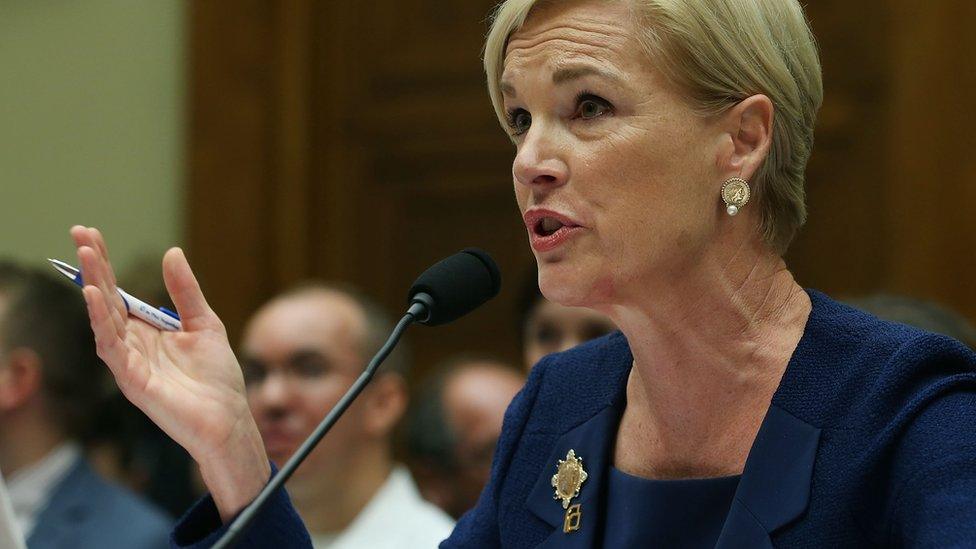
x=550 y=225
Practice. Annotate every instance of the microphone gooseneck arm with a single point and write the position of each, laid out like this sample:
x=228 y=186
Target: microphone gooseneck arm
x=418 y=312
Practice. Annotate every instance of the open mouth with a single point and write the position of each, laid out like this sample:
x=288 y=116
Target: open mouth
x=547 y=226
x=549 y=229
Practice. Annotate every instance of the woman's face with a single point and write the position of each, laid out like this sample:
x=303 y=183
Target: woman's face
x=617 y=178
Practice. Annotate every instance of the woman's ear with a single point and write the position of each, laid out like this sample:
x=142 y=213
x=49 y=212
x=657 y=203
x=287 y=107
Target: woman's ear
x=750 y=124
x=20 y=378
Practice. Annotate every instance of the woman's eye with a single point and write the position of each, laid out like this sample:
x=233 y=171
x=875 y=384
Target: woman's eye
x=519 y=120
x=591 y=106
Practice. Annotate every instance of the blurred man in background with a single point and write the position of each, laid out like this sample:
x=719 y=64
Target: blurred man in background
x=50 y=380
x=454 y=426
x=300 y=353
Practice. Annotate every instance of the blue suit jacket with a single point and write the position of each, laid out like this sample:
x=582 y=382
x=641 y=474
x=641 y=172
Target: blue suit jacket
x=870 y=440
x=86 y=511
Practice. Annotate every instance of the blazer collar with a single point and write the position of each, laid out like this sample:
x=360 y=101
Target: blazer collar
x=774 y=489
x=775 y=485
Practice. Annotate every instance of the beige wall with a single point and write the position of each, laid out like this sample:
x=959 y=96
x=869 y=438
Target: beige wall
x=91 y=125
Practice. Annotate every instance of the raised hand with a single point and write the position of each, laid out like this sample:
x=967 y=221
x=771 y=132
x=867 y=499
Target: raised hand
x=189 y=382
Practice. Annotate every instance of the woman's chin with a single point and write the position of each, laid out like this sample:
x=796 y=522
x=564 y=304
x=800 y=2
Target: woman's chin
x=570 y=286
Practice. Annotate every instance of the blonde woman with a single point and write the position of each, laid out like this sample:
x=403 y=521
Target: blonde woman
x=660 y=151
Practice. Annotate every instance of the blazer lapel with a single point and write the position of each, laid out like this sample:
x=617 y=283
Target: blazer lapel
x=775 y=485
x=592 y=441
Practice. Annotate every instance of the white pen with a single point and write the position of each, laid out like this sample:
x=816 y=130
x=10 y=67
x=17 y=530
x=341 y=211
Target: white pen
x=162 y=318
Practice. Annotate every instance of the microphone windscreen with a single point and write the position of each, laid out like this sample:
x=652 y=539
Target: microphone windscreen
x=458 y=284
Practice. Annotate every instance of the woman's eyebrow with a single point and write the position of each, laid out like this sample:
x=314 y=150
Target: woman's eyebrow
x=566 y=74
x=575 y=72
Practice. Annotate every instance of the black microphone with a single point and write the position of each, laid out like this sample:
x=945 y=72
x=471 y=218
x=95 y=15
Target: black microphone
x=455 y=286
x=450 y=289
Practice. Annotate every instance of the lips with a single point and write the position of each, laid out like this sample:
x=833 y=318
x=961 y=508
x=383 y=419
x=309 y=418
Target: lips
x=549 y=229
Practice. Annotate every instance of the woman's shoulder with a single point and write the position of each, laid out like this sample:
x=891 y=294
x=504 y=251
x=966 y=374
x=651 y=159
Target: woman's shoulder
x=841 y=332
x=851 y=365
x=832 y=323
x=895 y=406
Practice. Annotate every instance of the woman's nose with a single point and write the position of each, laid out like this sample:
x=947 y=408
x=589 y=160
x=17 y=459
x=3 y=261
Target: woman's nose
x=539 y=162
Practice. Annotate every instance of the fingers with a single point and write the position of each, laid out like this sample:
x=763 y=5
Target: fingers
x=96 y=236
x=95 y=267
x=105 y=270
x=195 y=313
x=182 y=285
x=109 y=344
x=95 y=278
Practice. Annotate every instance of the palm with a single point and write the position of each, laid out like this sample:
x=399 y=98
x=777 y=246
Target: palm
x=187 y=383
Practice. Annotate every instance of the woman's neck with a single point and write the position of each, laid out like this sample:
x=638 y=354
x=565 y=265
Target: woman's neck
x=708 y=355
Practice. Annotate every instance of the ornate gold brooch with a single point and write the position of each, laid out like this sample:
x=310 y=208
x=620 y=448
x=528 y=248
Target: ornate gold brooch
x=569 y=478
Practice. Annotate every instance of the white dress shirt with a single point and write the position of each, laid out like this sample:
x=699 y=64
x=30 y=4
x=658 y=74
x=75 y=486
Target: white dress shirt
x=10 y=535
x=30 y=488
x=396 y=518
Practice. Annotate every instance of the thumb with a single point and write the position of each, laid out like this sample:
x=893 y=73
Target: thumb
x=184 y=290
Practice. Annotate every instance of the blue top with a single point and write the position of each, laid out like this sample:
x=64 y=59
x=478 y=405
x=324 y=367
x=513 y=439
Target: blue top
x=679 y=514
x=868 y=441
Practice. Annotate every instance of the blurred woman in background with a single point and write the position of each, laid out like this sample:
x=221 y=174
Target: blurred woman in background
x=548 y=327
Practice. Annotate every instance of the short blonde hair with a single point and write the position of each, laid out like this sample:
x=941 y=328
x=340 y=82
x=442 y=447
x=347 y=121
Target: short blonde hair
x=721 y=52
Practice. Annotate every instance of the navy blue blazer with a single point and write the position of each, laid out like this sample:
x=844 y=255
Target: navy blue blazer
x=86 y=511
x=870 y=440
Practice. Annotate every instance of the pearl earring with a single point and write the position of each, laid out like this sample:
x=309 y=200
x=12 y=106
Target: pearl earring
x=735 y=194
